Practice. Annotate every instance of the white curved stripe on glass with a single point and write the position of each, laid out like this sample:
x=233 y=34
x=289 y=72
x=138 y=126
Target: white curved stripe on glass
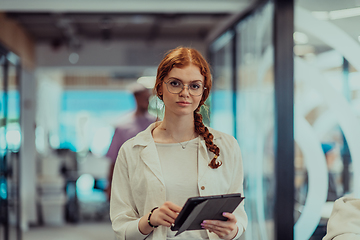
x=315 y=162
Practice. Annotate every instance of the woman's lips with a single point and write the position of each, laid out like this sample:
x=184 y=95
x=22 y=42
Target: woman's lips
x=181 y=103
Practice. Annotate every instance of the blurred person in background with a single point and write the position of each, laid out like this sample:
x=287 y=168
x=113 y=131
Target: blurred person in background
x=133 y=123
x=177 y=158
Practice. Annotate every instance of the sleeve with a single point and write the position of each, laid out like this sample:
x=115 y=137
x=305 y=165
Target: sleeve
x=344 y=222
x=115 y=145
x=123 y=211
x=237 y=186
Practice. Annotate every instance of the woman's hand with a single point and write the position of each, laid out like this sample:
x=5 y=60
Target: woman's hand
x=224 y=229
x=164 y=215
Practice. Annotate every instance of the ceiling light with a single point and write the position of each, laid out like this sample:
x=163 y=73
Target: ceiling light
x=300 y=38
x=344 y=13
x=337 y=14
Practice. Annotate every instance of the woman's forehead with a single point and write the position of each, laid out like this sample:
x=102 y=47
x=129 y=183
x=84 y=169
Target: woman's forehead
x=190 y=72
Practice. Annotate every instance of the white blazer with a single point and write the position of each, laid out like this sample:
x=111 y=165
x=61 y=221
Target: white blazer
x=138 y=184
x=344 y=222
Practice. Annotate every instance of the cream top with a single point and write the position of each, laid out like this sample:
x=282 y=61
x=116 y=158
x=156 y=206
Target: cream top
x=180 y=170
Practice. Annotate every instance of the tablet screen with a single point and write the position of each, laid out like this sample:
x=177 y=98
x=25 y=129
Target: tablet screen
x=215 y=206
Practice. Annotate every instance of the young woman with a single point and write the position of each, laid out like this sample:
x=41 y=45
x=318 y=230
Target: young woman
x=177 y=158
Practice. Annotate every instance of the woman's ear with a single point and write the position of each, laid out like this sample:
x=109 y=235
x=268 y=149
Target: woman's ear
x=159 y=90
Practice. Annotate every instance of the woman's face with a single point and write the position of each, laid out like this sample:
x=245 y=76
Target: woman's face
x=182 y=103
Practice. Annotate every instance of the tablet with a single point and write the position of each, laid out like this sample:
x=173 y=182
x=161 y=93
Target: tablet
x=198 y=209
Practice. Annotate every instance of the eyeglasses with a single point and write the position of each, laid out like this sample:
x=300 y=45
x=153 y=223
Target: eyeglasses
x=176 y=86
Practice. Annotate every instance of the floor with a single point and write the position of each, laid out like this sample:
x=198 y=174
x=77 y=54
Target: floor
x=80 y=231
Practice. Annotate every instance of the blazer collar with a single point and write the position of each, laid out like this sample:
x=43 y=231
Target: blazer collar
x=150 y=155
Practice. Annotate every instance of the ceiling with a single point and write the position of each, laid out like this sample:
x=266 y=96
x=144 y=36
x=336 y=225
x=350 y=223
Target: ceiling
x=71 y=22
x=74 y=26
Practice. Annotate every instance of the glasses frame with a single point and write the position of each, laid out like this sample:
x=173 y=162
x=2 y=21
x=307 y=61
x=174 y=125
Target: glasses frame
x=182 y=89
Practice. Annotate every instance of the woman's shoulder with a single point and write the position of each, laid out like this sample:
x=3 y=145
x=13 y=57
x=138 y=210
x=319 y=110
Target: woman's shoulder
x=221 y=135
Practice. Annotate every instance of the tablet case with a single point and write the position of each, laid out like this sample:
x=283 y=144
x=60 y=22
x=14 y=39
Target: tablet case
x=198 y=209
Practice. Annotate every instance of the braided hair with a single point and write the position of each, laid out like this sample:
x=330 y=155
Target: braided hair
x=182 y=57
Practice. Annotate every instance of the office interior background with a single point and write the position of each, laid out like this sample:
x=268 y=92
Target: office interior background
x=286 y=84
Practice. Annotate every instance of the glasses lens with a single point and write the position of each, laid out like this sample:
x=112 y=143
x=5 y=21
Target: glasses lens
x=196 y=89
x=176 y=86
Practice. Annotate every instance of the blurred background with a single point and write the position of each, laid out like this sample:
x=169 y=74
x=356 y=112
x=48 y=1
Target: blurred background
x=65 y=71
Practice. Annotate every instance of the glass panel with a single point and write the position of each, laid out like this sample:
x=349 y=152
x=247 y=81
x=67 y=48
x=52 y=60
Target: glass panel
x=13 y=139
x=255 y=119
x=89 y=107
x=327 y=110
x=9 y=147
x=222 y=112
x=3 y=183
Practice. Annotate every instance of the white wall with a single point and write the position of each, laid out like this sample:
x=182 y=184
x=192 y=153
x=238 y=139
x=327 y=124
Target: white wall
x=28 y=152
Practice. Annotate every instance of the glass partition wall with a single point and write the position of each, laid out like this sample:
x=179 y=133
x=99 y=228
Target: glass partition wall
x=255 y=130
x=248 y=109
x=10 y=141
x=247 y=103
x=223 y=94
x=327 y=110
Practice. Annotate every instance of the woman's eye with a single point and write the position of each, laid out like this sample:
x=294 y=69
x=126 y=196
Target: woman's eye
x=175 y=83
x=195 y=86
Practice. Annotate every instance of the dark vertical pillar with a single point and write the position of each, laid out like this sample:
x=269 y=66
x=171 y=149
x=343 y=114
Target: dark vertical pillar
x=234 y=79
x=284 y=118
x=345 y=152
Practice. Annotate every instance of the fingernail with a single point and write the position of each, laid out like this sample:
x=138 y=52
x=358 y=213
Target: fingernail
x=224 y=213
x=204 y=222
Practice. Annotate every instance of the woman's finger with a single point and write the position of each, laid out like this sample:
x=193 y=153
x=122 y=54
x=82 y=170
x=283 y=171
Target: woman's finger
x=231 y=217
x=167 y=211
x=173 y=207
x=224 y=229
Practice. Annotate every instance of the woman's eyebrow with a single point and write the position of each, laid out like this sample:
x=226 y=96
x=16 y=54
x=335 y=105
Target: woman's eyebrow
x=175 y=78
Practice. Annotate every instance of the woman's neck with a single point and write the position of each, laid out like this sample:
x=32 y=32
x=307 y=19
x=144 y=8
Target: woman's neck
x=177 y=128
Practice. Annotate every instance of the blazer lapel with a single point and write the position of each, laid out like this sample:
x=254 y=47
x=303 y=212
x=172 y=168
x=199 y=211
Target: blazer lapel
x=149 y=153
x=151 y=158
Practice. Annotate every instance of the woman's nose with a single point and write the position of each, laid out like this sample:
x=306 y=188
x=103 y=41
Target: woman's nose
x=185 y=90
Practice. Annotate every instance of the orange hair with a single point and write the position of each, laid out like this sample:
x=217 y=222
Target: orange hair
x=181 y=57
